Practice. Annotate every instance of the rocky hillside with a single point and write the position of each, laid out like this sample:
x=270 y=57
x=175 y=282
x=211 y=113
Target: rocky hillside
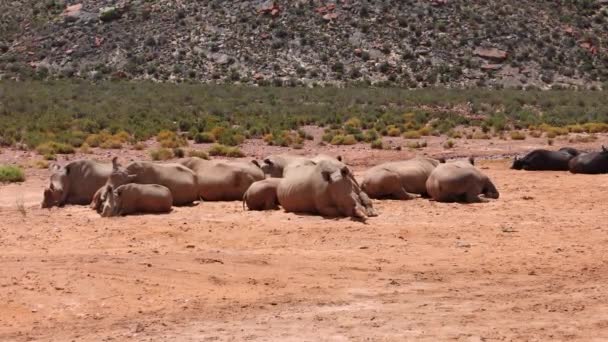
x=411 y=43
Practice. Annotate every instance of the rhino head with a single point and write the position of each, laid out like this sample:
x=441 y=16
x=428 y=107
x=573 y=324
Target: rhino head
x=518 y=164
x=341 y=190
x=119 y=175
x=56 y=193
x=272 y=167
x=112 y=202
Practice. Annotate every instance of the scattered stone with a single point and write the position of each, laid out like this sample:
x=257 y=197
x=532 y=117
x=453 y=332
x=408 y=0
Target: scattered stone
x=493 y=54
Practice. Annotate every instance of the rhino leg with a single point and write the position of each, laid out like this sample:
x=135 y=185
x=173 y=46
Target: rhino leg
x=473 y=197
x=401 y=194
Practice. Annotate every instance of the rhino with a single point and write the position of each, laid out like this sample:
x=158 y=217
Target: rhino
x=75 y=183
x=223 y=180
x=180 y=180
x=274 y=165
x=262 y=195
x=590 y=163
x=322 y=188
x=137 y=198
x=545 y=160
x=400 y=180
x=460 y=181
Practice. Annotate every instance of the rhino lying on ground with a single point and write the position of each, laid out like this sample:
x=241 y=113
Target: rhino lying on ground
x=137 y=198
x=399 y=180
x=75 y=183
x=460 y=181
x=262 y=195
x=223 y=180
x=590 y=163
x=545 y=160
x=278 y=165
x=180 y=180
x=321 y=188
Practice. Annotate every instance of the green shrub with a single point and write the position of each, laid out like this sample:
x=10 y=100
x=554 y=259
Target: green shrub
x=52 y=148
x=85 y=149
x=535 y=134
x=481 y=136
x=377 y=144
x=198 y=153
x=393 y=131
x=161 y=154
x=179 y=152
x=412 y=135
x=417 y=144
x=111 y=143
x=517 y=135
x=11 y=174
x=204 y=137
x=449 y=144
x=223 y=150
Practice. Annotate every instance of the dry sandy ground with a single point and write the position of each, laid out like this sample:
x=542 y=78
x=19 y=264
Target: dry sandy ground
x=530 y=266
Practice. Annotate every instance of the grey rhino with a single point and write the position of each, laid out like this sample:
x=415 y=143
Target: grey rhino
x=274 y=165
x=460 y=181
x=223 y=180
x=399 y=180
x=321 y=188
x=75 y=183
x=262 y=195
x=137 y=198
x=180 y=180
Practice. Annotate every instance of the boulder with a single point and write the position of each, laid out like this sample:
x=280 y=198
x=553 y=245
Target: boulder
x=493 y=54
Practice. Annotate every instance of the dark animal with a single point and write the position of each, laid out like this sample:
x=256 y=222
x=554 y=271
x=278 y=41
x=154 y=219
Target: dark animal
x=545 y=160
x=590 y=163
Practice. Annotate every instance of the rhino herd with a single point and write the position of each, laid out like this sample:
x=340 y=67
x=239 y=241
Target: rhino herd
x=321 y=185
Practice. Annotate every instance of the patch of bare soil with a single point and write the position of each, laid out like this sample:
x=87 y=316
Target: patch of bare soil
x=529 y=266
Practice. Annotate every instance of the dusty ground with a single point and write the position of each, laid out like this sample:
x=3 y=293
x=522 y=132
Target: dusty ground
x=529 y=266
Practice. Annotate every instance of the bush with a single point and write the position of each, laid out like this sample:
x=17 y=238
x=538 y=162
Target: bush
x=550 y=142
x=112 y=143
x=425 y=131
x=85 y=149
x=161 y=154
x=412 y=135
x=139 y=146
x=52 y=148
x=198 y=153
x=169 y=139
x=223 y=150
x=417 y=144
x=377 y=144
x=343 y=140
x=179 y=152
x=449 y=144
x=481 y=135
x=535 y=134
x=11 y=174
x=204 y=137
x=393 y=131
x=517 y=135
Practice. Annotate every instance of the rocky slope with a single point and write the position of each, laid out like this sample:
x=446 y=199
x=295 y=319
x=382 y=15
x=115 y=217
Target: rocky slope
x=411 y=43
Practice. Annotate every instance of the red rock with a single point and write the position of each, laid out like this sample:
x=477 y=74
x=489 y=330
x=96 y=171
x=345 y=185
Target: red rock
x=491 y=67
x=258 y=76
x=72 y=11
x=358 y=52
x=98 y=41
x=491 y=53
x=330 y=16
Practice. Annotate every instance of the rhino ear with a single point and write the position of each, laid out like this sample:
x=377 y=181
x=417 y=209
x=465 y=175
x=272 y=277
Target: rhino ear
x=339 y=158
x=256 y=163
x=472 y=160
x=115 y=164
x=516 y=158
x=441 y=160
x=268 y=161
x=326 y=176
x=344 y=171
x=54 y=167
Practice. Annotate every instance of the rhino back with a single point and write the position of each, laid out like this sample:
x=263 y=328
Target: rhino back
x=296 y=192
x=180 y=180
x=85 y=178
x=144 y=198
